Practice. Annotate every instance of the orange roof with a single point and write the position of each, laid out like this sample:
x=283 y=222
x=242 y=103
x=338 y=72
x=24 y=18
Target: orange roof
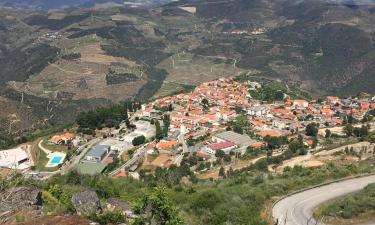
x=166 y=144
x=179 y=116
x=271 y=133
x=68 y=136
x=256 y=145
x=121 y=174
x=55 y=139
x=64 y=136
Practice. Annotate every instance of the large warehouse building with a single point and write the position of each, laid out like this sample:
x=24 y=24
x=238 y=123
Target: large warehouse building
x=16 y=158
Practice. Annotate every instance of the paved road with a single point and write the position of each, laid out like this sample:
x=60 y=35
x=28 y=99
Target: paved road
x=297 y=209
x=137 y=156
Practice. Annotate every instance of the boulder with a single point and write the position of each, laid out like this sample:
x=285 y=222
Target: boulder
x=86 y=202
x=21 y=198
x=114 y=204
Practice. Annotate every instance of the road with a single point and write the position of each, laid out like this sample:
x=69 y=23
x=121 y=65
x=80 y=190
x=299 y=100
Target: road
x=47 y=151
x=137 y=156
x=297 y=209
x=181 y=139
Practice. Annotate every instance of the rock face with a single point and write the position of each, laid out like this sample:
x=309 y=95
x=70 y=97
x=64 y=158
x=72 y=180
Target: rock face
x=86 y=202
x=21 y=198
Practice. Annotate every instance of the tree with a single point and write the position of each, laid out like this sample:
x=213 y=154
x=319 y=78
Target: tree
x=315 y=143
x=348 y=130
x=294 y=146
x=205 y=103
x=159 y=132
x=222 y=172
x=156 y=208
x=312 y=129
x=220 y=154
x=126 y=115
x=275 y=142
x=372 y=138
x=166 y=124
x=139 y=140
x=227 y=158
x=328 y=133
x=238 y=129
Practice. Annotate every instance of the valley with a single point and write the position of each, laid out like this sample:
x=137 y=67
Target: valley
x=53 y=60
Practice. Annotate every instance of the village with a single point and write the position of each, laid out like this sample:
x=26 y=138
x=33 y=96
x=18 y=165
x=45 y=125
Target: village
x=219 y=126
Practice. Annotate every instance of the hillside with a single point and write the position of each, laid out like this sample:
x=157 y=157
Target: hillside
x=60 y=4
x=92 y=57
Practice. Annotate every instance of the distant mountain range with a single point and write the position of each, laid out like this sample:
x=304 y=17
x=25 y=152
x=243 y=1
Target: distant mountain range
x=59 y=4
x=56 y=63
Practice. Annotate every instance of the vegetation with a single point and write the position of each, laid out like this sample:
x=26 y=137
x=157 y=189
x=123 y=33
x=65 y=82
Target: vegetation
x=163 y=197
x=351 y=206
x=106 y=117
x=312 y=129
x=139 y=140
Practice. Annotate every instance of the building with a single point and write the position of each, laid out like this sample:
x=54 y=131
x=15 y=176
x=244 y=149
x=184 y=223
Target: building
x=144 y=128
x=97 y=153
x=298 y=103
x=225 y=146
x=16 y=158
x=61 y=138
x=238 y=139
x=333 y=99
x=258 y=111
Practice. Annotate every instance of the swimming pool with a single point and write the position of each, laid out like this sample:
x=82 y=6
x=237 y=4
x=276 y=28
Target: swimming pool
x=56 y=158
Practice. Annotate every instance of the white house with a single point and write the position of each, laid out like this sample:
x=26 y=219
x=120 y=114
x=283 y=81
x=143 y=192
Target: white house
x=16 y=158
x=258 y=111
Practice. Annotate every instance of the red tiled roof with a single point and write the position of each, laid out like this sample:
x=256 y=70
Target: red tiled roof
x=221 y=145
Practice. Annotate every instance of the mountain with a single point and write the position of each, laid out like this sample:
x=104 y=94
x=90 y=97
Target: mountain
x=60 y=4
x=59 y=62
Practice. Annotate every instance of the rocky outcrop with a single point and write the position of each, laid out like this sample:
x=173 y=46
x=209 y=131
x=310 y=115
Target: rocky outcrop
x=114 y=204
x=86 y=202
x=20 y=198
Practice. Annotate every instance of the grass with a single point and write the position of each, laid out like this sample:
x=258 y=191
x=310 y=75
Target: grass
x=41 y=158
x=56 y=148
x=42 y=161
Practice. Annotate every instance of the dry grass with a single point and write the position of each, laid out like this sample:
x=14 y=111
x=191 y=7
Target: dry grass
x=189 y=9
x=193 y=71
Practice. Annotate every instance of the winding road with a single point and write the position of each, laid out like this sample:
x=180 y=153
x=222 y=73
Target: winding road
x=297 y=209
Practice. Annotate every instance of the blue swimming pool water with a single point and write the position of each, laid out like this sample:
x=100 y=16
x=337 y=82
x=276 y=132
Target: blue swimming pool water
x=56 y=159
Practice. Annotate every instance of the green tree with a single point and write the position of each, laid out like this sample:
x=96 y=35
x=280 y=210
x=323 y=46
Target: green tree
x=312 y=129
x=205 y=103
x=220 y=154
x=294 y=146
x=166 y=124
x=159 y=132
x=139 y=140
x=222 y=172
x=348 y=130
x=156 y=208
x=328 y=133
x=372 y=138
